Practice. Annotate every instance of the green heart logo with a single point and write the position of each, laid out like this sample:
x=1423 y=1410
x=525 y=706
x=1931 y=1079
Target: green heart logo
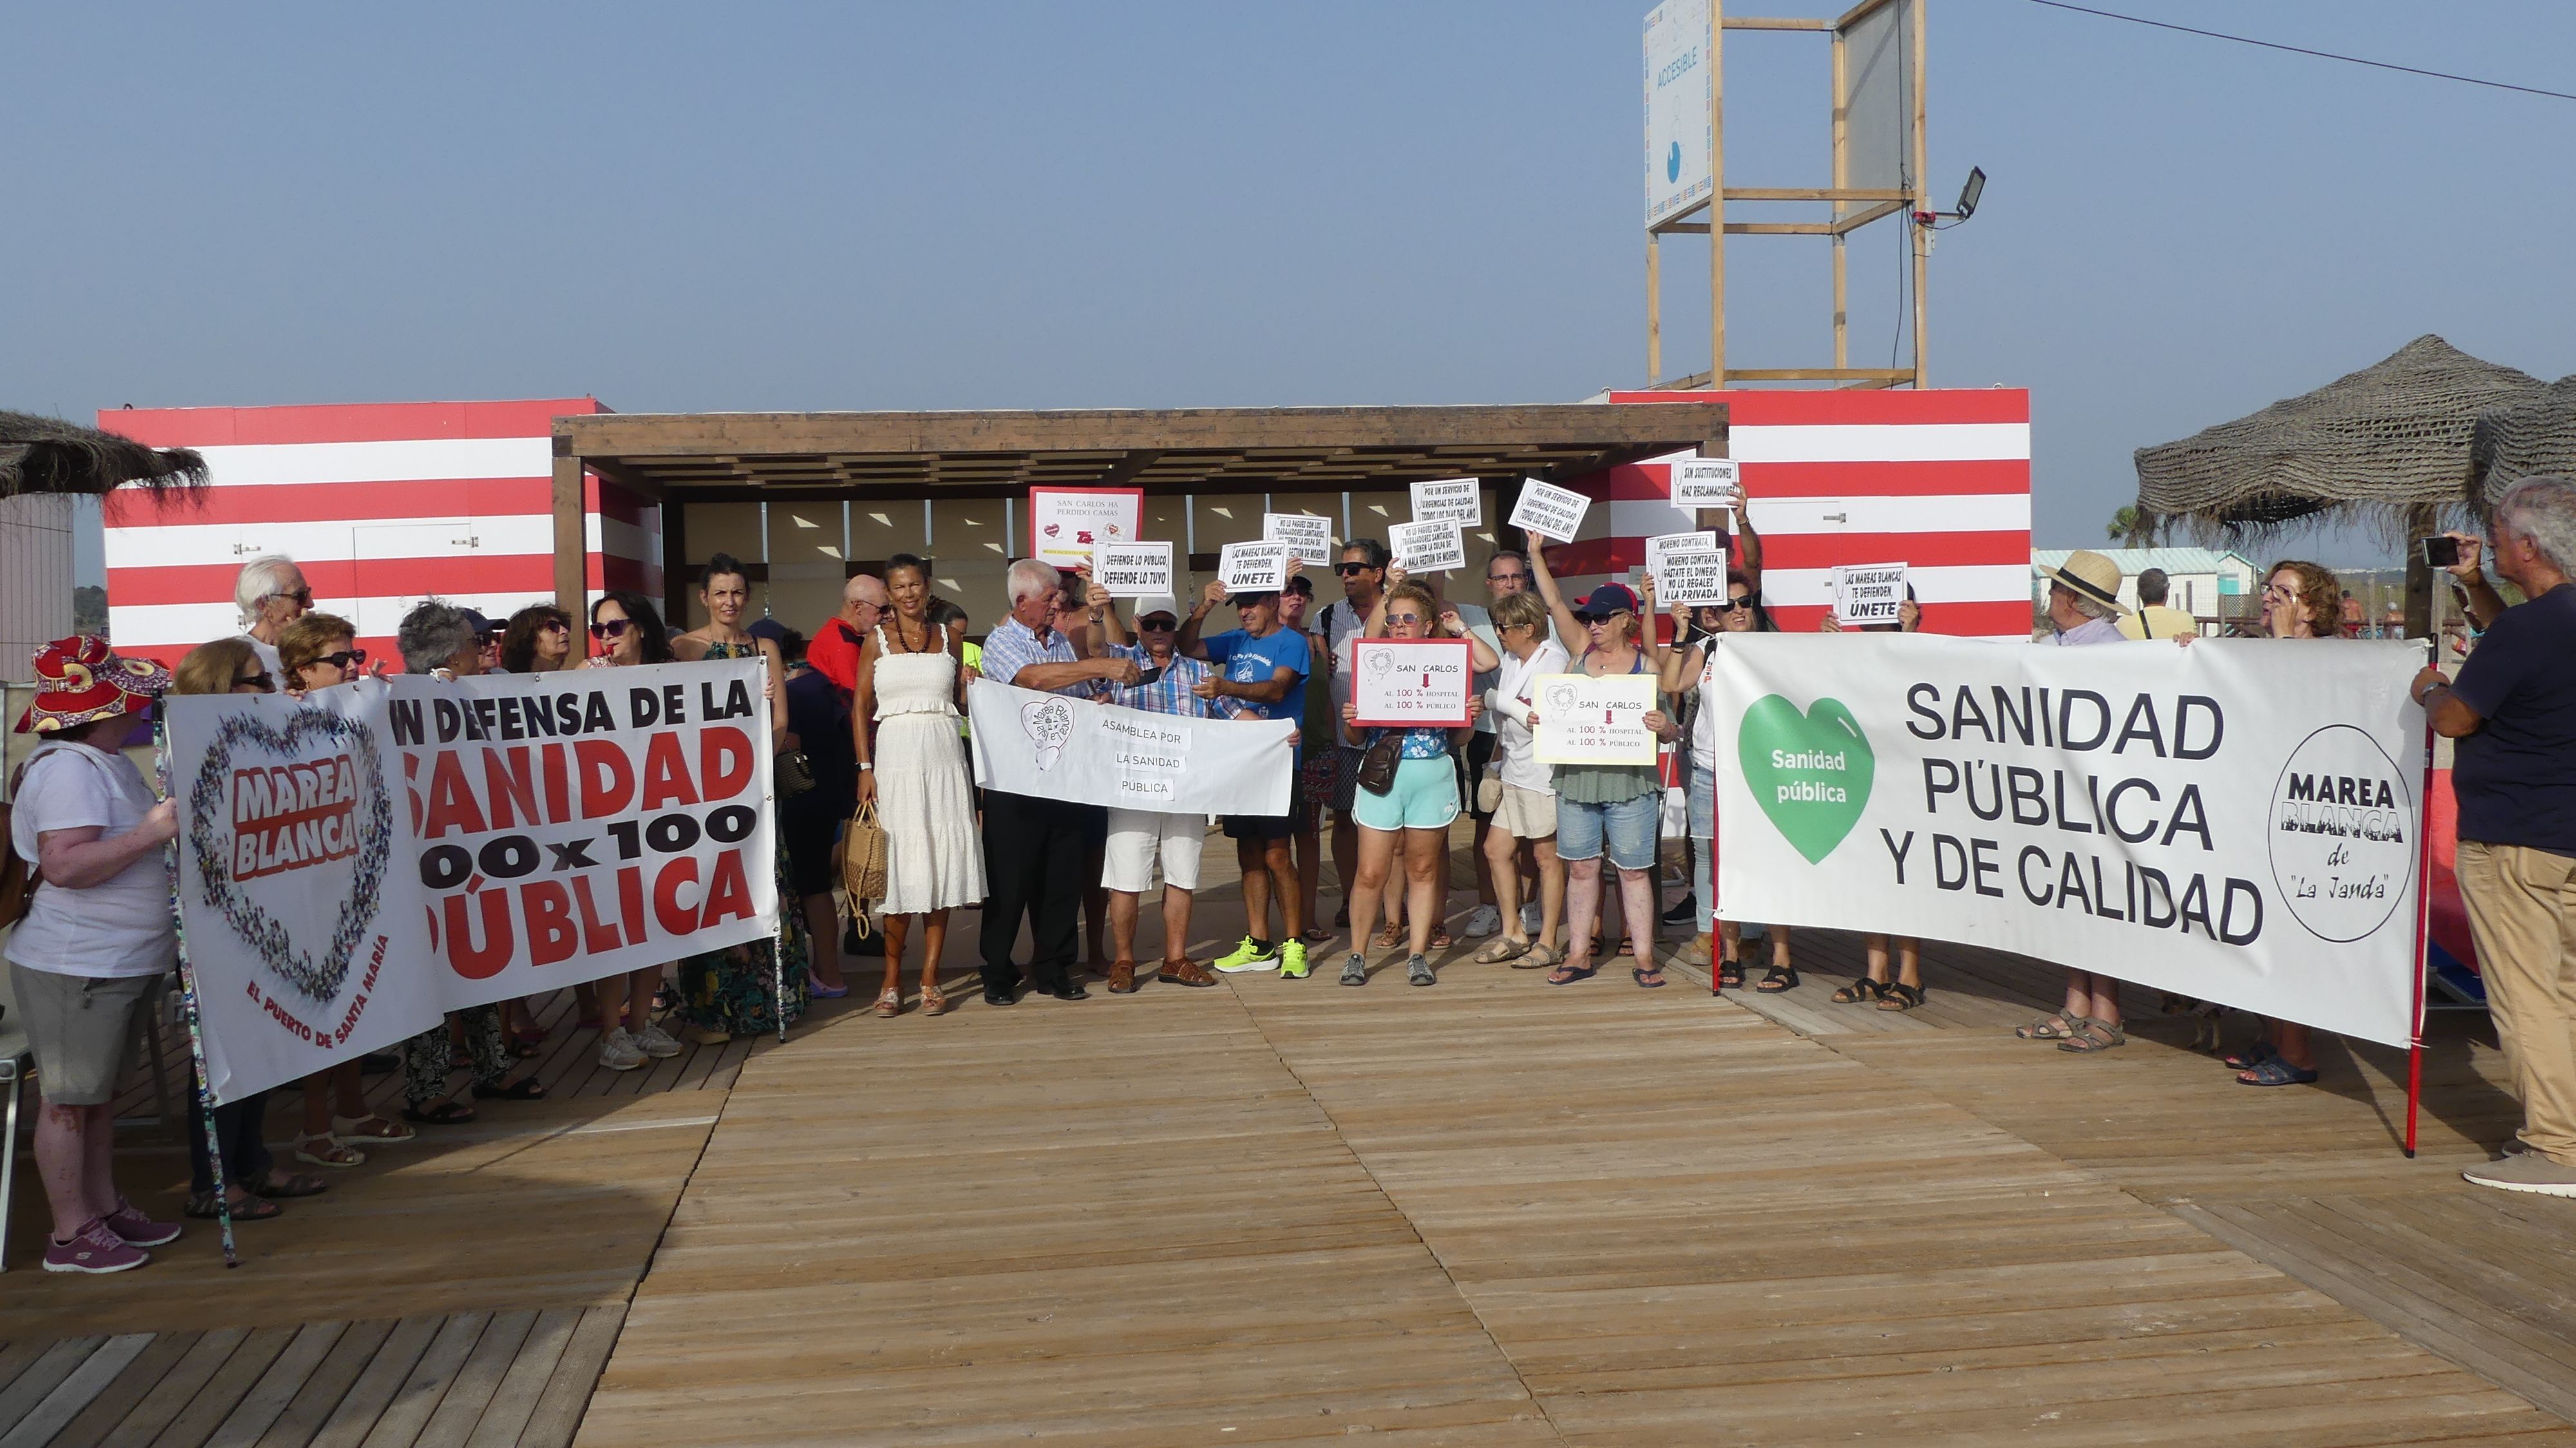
x=1810 y=772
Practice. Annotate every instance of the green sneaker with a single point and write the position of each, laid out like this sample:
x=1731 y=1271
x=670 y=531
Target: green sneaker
x=1292 y=960
x=1252 y=954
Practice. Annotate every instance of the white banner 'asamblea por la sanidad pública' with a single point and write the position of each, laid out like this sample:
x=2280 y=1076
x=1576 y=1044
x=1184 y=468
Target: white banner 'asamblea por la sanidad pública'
x=1052 y=746
x=2235 y=821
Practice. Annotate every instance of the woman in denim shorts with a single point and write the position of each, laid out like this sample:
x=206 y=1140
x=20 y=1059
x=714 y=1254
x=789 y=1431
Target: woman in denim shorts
x=1687 y=666
x=1607 y=809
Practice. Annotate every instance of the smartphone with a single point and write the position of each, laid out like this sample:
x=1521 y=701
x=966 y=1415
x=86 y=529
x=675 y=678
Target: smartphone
x=1148 y=676
x=2442 y=552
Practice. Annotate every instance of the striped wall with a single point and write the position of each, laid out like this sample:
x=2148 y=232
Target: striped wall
x=382 y=505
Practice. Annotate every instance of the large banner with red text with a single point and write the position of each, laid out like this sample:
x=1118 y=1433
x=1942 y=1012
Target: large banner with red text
x=359 y=861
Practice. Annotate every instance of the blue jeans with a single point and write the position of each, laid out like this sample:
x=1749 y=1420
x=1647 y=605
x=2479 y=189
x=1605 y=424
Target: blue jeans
x=1626 y=828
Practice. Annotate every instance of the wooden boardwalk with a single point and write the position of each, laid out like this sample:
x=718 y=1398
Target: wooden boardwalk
x=1491 y=1212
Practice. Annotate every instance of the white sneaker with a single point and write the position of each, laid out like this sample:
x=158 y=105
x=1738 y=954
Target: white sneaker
x=1529 y=917
x=1482 y=921
x=618 y=1051
x=657 y=1043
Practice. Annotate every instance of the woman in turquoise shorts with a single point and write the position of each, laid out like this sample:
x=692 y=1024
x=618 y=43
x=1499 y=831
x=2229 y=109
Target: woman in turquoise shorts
x=1417 y=811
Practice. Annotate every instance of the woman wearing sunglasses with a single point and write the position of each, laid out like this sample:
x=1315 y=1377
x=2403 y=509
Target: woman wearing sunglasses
x=1698 y=633
x=629 y=632
x=1417 y=811
x=538 y=641
x=1606 y=809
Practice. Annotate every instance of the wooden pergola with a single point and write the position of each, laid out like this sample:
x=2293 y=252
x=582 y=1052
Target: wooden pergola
x=741 y=457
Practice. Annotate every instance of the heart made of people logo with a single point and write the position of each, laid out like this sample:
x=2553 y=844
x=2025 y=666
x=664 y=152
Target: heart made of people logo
x=248 y=742
x=1810 y=772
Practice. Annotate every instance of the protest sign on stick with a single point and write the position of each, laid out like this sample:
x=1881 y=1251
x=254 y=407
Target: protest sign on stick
x=1450 y=500
x=1411 y=682
x=1551 y=512
x=1583 y=719
x=1132 y=570
x=1064 y=523
x=1253 y=567
x=1692 y=579
x=1663 y=545
x=1868 y=593
x=1707 y=483
x=2236 y=821
x=1435 y=547
x=1308 y=536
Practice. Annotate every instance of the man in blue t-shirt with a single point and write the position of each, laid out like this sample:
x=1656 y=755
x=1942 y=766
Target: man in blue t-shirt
x=2513 y=713
x=1264 y=664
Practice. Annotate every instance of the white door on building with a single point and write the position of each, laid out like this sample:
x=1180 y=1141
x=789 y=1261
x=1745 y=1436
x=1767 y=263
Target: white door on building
x=378 y=613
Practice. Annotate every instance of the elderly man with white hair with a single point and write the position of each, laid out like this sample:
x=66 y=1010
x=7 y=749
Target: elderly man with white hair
x=271 y=593
x=1034 y=848
x=2513 y=712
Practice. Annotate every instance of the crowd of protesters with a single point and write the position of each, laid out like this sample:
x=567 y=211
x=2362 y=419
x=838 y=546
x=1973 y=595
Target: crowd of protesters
x=871 y=712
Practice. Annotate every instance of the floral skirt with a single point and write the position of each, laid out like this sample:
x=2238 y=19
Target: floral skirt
x=737 y=989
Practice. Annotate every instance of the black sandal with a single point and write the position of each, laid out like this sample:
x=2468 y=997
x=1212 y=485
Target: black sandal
x=1863 y=989
x=526 y=1088
x=1730 y=975
x=445 y=1113
x=1778 y=979
x=258 y=1209
x=1898 y=996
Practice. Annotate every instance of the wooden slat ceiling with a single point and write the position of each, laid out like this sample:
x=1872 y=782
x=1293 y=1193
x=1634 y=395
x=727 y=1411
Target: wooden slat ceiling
x=714 y=456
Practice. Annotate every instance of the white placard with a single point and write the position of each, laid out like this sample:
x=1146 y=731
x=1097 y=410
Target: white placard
x=1450 y=500
x=1663 y=544
x=1583 y=719
x=1411 y=681
x=2235 y=821
x=1692 y=579
x=1064 y=523
x=1307 y=536
x=1132 y=570
x=1054 y=747
x=1253 y=567
x=1435 y=547
x=1867 y=593
x=1707 y=483
x=1551 y=512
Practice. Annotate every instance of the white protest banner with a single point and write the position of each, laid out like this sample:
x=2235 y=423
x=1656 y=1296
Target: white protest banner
x=1588 y=720
x=1253 y=567
x=1427 y=547
x=1308 y=537
x=1450 y=500
x=1064 y=523
x=2235 y=821
x=1664 y=544
x=1132 y=570
x=1707 y=483
x=1056 y=747
x=358 y=862
x=298 y=896
x=1868 y=593
x=1405 y=682
x=1692 y=579
x=1551 y=512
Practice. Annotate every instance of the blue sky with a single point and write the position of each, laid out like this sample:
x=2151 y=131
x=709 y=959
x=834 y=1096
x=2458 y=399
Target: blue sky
x=1001 y=205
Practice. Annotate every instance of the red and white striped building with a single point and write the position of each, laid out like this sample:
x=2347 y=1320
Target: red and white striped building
x=381 y=505
x=1936 y=480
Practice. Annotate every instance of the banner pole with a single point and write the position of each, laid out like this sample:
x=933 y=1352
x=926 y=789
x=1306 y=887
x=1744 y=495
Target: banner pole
x=2423 y=932
x=205 y=1089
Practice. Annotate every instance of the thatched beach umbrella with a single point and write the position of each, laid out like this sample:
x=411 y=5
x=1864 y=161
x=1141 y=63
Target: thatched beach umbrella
x=48 y=455
x=2527 y=438
x=2387 y=447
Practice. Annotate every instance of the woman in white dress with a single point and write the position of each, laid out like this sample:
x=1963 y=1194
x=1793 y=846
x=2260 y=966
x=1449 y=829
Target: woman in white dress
x=910 y=680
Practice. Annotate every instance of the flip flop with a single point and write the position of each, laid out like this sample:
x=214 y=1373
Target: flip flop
x=1569 y=974
x=1640 y=977
x=2274 y=1071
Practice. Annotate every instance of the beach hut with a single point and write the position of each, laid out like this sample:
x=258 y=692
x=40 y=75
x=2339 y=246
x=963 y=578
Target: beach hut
x=2387 y=446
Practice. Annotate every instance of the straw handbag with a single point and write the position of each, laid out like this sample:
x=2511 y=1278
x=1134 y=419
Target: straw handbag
x=863 y=859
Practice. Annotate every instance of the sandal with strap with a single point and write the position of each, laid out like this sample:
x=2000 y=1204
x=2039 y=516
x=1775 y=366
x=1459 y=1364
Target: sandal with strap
x=1569 y=973
x=2250 y=1058
x=2092 y=1037
x=1863 y=989
x=1502 y=950
x=1778 y=979
x=526 y=1088
x=1392 y=936
x=445 y=1113
x=258 y=1209
x=328 y=1150
x=1539 y=957
x=2055 y=1026
x=297 y=1184
x=371 y=1128
x=890 y=1002
x=1639 y=976
x=934 y=1002
x=1730 y=975
x=1439 y=937
x=2276 y=1071
x=1900 y=997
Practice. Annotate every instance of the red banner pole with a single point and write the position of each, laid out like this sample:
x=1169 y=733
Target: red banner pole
x=2423 y=930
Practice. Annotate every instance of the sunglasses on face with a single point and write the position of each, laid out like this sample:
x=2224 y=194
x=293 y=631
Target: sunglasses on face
x=609 y=628
x=1156 y=625
x=343 y=659
x=1735 y=601
x=261 y=681
x=1413 y=620
x=554 y=625
x=1596 y=620
x=1506 y=577
x=1347 y=569
x=302 y=596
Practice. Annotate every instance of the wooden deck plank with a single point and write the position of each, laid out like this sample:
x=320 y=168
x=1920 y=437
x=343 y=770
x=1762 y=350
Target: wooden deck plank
x=268 y=1398
x=329 y=1382
x=225 y=1389
x=559 y=1408
x=45 y=1373
x=409 y=1408
x=37 y=1424
x=131 y=1388
x=354 y=1417
x=506 y=1415
x=175 y=1389
x=477 y=1378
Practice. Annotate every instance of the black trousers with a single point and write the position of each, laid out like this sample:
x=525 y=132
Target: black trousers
x=1035 y=864
x=237 y=1126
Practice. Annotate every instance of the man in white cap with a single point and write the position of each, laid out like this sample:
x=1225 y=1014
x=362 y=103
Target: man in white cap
x=2084 y=607
x=1166 y=684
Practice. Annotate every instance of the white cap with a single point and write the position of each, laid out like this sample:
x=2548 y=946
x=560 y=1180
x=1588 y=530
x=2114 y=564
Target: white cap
x=1159 y=603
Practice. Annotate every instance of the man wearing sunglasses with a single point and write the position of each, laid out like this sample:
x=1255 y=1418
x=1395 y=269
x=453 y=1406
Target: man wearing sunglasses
x=271 y=593
x=1363 y=575
x=1264 y=664
x=834 y=653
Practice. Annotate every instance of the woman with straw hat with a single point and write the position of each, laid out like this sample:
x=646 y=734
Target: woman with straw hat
x=97 y=937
